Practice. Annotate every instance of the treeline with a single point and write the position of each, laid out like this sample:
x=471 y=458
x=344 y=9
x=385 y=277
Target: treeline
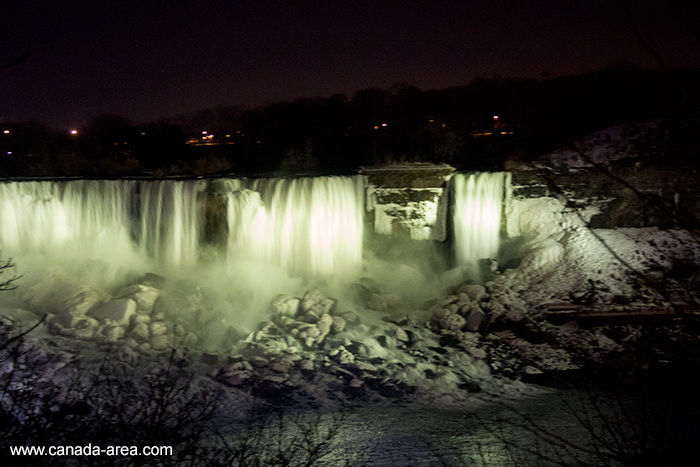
x=478 y=126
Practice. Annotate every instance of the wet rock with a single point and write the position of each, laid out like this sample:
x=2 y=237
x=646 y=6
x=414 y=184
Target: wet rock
x=337 y=325
x=342 y=355
x=355 y=388
x=111 y=333
x=144 y=296
x=475 y=291
x=140 y=332
x=317 y=304
x=283 y=365
x=448 y=320
x=259 y=362
x=157 y=328
x=85 y=328
x=475 y=319
x=82 y=301
x=119 y=311
x=400 y=319
x=307 y=366
x=402 y=336
x=236 y=379
x=285 y=306
x=159 y=342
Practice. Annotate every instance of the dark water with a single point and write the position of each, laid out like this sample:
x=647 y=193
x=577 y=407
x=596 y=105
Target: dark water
x=563 y=428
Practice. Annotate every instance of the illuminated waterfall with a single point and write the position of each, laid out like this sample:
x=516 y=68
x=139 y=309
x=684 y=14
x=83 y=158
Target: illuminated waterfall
x=171 y=220
x=40 y=217
x=478 y=202
x=309 y=227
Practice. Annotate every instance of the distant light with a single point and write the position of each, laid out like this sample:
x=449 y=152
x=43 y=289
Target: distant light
x=495 y=117
x=9 y=152
x=228 y=136
x=383 y=124
x=204 y=132
x=143 y=134
x=7 y=132
x=444 y=125
x=74 y=132
x=376 y=127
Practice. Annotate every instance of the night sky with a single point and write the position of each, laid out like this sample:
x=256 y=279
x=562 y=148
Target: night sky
x=150 y=59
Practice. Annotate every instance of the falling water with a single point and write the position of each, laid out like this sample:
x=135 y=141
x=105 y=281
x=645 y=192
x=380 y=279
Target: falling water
x=477 y=215
x=309 y=227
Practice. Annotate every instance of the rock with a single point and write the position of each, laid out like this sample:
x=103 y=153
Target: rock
x=140 y=332
x=209 y=358
x=400 y=319
x=337 y=325
x=450 y=299
x=447 y=320
x=236 y=379
x=119 y=311
x=111 y=333
x=307 y=366
x=475 y=319
x=259 y=362
x=475 y=291
x=157 y=328
x=144 y=296
x=283 y=365
x=356 y=387
x=341 y=355
x=285 y=306
x=361 y=368
x=160 y=342
x=324 y=324
x=402 y=336
x=316 y=303
x=85 y=328
x=83 y=300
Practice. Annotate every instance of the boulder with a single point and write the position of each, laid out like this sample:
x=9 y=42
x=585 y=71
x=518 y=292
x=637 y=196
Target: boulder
x=140 y=332
x=475 y=319
x=119 y=311
x=160 y=342
x=447 y=320
x=157 y=328
x=338 y=324
x=285 y=306
x=317 y=304
x=144 y=296
x=475 y=291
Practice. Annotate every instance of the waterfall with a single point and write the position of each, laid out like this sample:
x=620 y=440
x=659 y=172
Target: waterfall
x=478 y=204
x=40 y=217
x=309 y=227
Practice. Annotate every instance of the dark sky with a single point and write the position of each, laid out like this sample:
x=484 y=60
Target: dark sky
x=148 y=59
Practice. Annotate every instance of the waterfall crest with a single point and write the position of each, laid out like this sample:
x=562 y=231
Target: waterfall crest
x=478 y=204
